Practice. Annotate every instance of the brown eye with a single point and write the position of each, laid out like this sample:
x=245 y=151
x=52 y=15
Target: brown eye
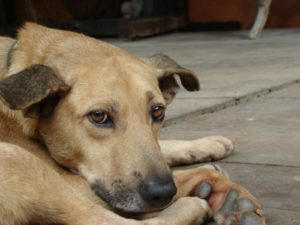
x=100 y=118
x=158 y=113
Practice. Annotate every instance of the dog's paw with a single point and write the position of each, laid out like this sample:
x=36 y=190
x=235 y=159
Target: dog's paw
x=227 y=143
x=237 y=209
x=211 y=148
x=231 y=204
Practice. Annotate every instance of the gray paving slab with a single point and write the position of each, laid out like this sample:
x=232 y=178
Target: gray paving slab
x=267 y=157
x=263 y=130
x=189 y=105
x=282 y=217
x=291 y=92
x=228 y=64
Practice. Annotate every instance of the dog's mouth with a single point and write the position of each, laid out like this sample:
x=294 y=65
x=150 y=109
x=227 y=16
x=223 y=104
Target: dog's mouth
x=125 y=200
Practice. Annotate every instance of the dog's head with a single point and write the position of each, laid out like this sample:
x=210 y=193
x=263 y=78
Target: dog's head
x=99 y=112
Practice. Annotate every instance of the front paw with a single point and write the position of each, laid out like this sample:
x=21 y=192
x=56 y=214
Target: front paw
x=211 y=148
x=231 y=204
x=227 y=143
x=238 y=209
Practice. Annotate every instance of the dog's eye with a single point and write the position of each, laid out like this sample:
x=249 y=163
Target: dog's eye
x=158 y=113
x=100 y=118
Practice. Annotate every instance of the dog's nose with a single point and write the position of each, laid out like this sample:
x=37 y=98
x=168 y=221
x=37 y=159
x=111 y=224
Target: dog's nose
x=158 y=191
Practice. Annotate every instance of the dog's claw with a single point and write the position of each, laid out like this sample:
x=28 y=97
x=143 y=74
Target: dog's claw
x=217 y=168
x=203 y=190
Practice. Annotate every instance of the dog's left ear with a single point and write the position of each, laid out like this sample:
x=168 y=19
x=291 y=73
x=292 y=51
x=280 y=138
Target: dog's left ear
x=167 y=68
x=35 y=90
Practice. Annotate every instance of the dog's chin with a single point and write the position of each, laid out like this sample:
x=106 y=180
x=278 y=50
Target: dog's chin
x=137 y=207
x=125 y=201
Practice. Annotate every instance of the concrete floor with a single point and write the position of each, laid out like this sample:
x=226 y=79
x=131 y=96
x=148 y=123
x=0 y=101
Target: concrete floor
x=262 y=74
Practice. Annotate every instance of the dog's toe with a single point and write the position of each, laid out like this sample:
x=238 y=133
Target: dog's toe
x=227 y=143
x=216 y=167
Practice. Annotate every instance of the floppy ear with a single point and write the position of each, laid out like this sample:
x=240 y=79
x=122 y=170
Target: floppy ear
x=35 y=90
x=167 y=68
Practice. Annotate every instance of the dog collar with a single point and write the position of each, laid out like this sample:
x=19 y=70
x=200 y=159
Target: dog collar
x=12 y=48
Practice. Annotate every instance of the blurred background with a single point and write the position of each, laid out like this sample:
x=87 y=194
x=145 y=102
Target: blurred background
x=142 y=18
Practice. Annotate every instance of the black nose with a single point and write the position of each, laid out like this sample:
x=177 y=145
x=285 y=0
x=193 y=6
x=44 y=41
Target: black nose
x=158 y=191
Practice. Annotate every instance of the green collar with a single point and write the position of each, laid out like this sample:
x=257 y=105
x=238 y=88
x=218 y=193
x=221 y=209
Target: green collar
x=12 y=48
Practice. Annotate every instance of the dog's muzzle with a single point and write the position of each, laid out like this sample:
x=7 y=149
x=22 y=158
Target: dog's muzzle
x=151 y=194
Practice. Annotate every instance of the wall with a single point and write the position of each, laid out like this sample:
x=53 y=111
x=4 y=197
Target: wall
x=283 y=13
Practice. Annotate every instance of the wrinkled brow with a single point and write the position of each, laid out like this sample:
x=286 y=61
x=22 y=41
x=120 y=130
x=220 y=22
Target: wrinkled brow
x=150 y=95
x=114 y=107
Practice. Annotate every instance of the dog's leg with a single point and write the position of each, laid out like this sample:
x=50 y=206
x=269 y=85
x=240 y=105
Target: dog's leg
x=230 y=203
x=184 y=211
x=199 y=150
x=260 y=19
x=32 y=192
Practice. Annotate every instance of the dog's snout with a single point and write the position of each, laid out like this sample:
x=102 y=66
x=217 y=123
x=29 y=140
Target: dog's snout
x=158 y=191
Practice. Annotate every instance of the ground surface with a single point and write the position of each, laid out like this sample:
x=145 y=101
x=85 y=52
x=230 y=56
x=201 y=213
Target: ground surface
x=256 y=81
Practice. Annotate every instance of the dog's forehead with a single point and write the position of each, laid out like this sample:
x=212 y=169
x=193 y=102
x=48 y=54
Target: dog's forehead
x=118 y=78
x=118 y=72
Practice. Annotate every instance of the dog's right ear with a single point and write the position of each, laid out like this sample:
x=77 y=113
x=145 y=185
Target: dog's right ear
x=35 y=90
x=166 y=69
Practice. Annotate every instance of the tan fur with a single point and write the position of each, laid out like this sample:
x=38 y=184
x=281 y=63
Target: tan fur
x=48 y=165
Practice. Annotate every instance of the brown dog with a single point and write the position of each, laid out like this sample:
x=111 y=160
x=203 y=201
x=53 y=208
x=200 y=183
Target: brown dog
x=79 y=139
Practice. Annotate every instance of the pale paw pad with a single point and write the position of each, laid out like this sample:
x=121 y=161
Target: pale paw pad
x=203 y=190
